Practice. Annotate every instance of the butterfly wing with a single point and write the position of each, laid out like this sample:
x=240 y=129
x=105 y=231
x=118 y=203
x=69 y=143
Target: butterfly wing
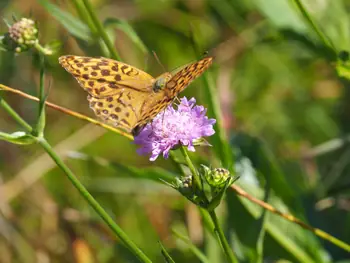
x=121 y=109
x=186 y=75
x=102 y=77
x=116 y=90
x=123 y=95
x=157 y=102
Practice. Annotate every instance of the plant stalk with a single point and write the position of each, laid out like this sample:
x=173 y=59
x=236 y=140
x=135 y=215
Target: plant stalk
x=93 y=203
x=217 y=228
x=83 y=191
x=103 y=34
x=223 y=241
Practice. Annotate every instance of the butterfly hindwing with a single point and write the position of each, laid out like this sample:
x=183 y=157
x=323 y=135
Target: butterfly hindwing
x=121 y=109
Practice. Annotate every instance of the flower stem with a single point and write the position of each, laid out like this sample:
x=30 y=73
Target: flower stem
x=103 y=34
x=223 y=241
x=94 y=204
x=84 y=15
x=217 y=228
x=195 y=174
x=42 y=50
x=83 y=191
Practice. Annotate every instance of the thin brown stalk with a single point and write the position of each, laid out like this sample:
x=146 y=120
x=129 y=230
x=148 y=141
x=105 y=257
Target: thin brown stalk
x=291 y=218
x=67 y=111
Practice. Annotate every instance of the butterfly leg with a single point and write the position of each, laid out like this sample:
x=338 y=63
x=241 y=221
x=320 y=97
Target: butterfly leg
x=163 y=122
x=177 y=99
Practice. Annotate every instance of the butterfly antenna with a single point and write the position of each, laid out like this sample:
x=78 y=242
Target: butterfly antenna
x=195 y=44
x=194 y=41
x=163 y=122
x=146 y=62
x=158 y=60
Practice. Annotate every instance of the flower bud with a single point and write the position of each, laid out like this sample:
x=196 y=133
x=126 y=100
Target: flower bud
x=215 y=178
x=22 y=35
x=219 y=176
x=218 y=180
x=185 y=186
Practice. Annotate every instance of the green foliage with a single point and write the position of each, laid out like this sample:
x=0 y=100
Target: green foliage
x=278 y=89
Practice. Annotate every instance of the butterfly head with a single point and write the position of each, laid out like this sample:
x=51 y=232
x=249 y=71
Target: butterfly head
x=161 y=81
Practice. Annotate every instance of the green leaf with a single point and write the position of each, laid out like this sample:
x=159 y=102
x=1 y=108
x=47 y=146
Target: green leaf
x=297 y=243
x=128 y=30
x=264 y=162
x=282 y=14
x=69 y=22
x=337 y=28
x=19 y=137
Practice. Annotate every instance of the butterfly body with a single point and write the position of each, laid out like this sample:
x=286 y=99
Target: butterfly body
x=161 y=81
x=125 y=96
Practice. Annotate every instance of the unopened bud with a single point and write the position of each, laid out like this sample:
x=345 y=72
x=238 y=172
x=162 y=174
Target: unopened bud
x=22 y=35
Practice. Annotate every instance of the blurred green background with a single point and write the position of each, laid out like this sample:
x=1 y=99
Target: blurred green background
x=281 y=99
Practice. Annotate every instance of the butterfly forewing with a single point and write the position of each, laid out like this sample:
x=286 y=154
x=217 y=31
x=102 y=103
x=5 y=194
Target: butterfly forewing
x=186 y=75
x=103 y=77
x=179 y=81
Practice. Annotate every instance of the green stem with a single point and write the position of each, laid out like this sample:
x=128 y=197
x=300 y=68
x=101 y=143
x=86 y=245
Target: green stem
x=223 y=149
x=84 y=15
x=195 y=174
x=223 y=241
x=42 y=80
x=103 y=34
x=40 y=126
x=309 y=19
x=43 y=50
x=93 y=203
x=217 y=229
x=14 y=115
x=83 y=191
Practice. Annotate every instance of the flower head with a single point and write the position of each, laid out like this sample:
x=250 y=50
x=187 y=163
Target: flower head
x=182 y=126
x=22 y=35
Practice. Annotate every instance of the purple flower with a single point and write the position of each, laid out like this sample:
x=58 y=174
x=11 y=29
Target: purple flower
x=172 y=127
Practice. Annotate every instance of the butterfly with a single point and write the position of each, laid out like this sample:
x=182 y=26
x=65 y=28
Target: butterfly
x=125 y=96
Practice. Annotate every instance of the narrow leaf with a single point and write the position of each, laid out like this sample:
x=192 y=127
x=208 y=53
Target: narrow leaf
x=19 y=137
x=128 y=30
x=69 y=22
